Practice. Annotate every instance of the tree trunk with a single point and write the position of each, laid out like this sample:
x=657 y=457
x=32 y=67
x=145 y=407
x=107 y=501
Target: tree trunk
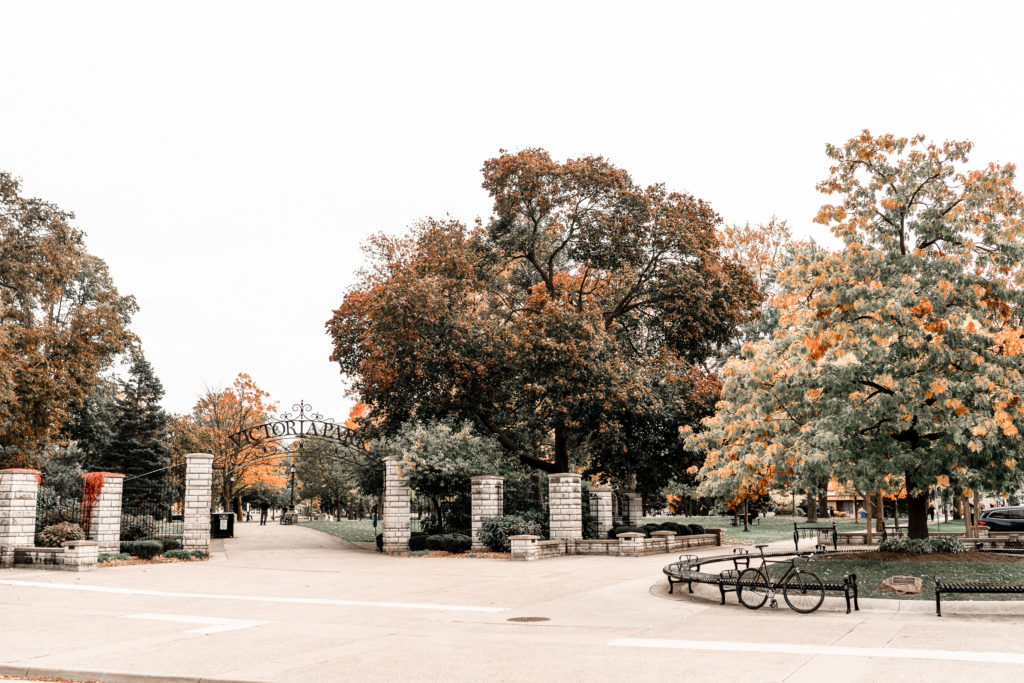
x=869 y=508
x=735 y=516
x=823 y=502
x=917 y=509
x=746 y=516
x=977 y=512
x=812 y=507
x=561 y=450
x=880 y=512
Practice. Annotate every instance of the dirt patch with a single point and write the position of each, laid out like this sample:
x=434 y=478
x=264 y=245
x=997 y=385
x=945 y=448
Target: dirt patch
x=139 y=560
x=877 y=556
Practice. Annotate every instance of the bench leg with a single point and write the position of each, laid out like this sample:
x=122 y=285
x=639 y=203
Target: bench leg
x=670 y=585
x=938 y=603
x=846 y=591
x=689 y=584
x=721 y=589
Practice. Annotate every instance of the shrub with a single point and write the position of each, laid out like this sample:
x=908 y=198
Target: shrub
x=616 y=530
x=696 y=529
x=947 y=544
x=137 y=527
x=648 y=528
x=495 y=531
x=165 y=543
x=452 y=543
x=418 y=541
x=941 y=544
x=52 y=536
x=144 y=549
x=680 y=529
x=107 y=557
x=179 y=554
x=199 y=554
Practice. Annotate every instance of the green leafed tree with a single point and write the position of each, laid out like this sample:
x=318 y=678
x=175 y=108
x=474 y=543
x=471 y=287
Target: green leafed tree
x=897 y=360
x=575 y=327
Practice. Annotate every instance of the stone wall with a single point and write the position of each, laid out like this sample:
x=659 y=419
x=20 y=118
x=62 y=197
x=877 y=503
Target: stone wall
x=565 y=504
x=628 y=544
x=18 y=491
x=74 y=556
x=105 y=518
x=198 y=499
x=397 y=505
x=488 y=495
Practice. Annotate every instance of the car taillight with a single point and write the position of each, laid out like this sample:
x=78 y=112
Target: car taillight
x=982 y=523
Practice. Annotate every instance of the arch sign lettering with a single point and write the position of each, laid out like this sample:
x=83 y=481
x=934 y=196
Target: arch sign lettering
x=293 y=425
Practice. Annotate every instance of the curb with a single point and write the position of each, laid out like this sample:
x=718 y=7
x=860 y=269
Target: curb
x=104 y=676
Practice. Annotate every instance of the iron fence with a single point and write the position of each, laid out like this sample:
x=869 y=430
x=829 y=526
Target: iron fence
x=150 y=520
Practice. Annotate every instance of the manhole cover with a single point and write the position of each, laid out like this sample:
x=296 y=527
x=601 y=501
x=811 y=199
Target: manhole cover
x=529 y=619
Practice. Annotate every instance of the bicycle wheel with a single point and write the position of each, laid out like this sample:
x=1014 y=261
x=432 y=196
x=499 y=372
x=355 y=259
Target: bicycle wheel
x=804 y=591
x=752 y=588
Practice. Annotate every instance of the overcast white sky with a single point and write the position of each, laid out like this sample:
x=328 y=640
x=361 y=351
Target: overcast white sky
x=227 y=159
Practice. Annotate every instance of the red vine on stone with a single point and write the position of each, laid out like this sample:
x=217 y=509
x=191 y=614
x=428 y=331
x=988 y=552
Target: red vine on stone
x=90 y=494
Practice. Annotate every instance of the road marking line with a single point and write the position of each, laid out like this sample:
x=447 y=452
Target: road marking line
x=213 y=624
x=830 y=650
x=253 y=598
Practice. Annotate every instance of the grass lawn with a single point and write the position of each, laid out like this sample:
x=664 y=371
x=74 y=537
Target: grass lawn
x=351 y=529
x=871 y=573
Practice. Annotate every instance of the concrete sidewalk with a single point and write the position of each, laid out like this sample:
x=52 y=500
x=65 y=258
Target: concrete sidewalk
x=286 y=603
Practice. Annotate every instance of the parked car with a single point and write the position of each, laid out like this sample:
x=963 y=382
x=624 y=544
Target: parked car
x=1003 y=519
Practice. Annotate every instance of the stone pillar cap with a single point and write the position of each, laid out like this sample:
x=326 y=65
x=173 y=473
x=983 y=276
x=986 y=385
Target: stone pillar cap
x=483 y=477
x=78 y=544
x=563 y=475
x=630 y=534
x=600 y=489
x=524 y=537
x=199 y=456
x=663 y=533
x=20 y=470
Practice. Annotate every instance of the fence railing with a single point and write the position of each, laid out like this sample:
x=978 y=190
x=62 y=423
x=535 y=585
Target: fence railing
x=149 y=521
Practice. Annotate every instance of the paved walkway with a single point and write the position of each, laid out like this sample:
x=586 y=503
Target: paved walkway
x=291 y=604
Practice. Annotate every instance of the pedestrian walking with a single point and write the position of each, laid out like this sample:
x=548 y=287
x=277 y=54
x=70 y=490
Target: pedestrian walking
x=264 y=509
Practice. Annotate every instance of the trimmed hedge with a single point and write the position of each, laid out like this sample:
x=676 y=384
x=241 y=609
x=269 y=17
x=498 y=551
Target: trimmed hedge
x=107 y=557
x=185 y=554
x=495 y=531
x=696 y=529
x=616 y=530
x=452 y=543
x=145 y=549
x=54 y=535
x=418 y=541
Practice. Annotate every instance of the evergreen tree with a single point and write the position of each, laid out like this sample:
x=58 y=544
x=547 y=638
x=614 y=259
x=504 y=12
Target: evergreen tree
x=138 y=448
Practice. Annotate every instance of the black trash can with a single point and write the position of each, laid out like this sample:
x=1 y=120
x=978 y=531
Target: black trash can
x=222 y=525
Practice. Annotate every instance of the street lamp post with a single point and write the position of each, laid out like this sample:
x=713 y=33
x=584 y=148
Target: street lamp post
x=293 y=487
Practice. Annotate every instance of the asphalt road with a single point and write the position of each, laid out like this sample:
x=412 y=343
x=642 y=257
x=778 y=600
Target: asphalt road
x=291 y=604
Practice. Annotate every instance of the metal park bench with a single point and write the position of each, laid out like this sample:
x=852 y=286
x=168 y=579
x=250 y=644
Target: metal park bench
x=971 y=587
x=687 y=570
x=820 y=532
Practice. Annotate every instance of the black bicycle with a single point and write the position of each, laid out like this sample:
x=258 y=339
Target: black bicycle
x=802 y=589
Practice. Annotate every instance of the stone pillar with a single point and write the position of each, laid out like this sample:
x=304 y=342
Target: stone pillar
x=488 y=501
x=198 y=498
x=105 y=515
x=18 y=491
x=601 y=510
x=80 y=556
x=630 y=544
x=525 y=547
x=397 y=505
x=634 y=512
x=565 y=504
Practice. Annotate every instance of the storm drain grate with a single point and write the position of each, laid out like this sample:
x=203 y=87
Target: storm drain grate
x=529 y=619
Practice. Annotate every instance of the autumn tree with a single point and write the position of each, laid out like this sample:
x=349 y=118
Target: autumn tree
x=62 y=322
x=897 y=359
x=220 y=413
x=574 y=327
